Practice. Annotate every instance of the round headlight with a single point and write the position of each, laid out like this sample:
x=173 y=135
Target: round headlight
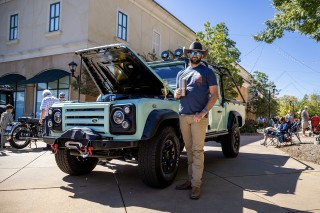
x=118 y=117
x=125 y=124
x=57 y=117
x=50 y=111
x=127 y=110
x=49 y=123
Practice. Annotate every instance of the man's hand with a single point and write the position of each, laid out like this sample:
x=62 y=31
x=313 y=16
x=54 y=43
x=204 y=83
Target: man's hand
x=177 y=93
x=198 y=116
x=40 y=121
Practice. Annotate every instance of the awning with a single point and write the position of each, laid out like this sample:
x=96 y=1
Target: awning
x=46 y=76
x=11 y=79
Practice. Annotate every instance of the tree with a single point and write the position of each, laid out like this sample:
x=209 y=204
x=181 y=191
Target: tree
x=87 y=86
x=288 y=103
x=258 y=105
x=222 y=52
x=294 y=16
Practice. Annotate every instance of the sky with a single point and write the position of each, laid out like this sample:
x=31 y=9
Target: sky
x=291 y=62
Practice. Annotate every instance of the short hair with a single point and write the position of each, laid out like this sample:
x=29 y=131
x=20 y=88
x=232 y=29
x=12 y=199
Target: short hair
x=62 y=95
x=9 y=106
x=306 y=107
x=282 y=119
x=46 y=92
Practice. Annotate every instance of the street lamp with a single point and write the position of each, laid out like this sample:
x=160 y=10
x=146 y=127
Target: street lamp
x=273 y=92
x=73 y=66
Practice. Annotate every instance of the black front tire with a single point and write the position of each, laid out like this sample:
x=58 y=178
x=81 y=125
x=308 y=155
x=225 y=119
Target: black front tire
x=231 y=143
x=20 y=137
x=159 y=158
x=74 y=165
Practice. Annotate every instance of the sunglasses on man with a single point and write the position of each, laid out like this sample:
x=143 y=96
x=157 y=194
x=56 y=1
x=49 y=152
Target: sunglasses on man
x=192 y=53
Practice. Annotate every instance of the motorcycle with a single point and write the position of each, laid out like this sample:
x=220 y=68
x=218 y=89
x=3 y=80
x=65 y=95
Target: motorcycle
x=25 y=131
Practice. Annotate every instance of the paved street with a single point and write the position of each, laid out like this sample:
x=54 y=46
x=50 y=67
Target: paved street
x=260 y=179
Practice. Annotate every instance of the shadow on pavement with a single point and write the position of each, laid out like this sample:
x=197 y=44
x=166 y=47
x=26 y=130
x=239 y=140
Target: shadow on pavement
x=250 y=182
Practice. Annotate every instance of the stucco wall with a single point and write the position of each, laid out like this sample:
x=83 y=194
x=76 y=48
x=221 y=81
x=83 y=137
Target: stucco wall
x=144 y=17
x=34 y=40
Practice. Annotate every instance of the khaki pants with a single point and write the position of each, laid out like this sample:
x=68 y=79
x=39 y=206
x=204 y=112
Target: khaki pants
x=193 y=136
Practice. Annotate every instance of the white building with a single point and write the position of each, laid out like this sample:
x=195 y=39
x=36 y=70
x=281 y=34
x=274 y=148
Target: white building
x=38 y=39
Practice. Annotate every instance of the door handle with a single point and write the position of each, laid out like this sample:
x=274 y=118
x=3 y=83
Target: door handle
x=219 y=111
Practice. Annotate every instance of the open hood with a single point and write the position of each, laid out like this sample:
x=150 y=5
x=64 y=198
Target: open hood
x=117 y=69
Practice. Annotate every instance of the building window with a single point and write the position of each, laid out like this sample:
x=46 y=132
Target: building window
x=122 y=25
x=13 y=35
x=19 y=96
x=54 y=17
x=156 y=43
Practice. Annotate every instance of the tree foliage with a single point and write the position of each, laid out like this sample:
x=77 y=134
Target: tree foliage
x=313 y=101
x=87 y=86
x=301 y=16
x=288 y=103
x=222 y=52
x=258 y=105
x=296 y=106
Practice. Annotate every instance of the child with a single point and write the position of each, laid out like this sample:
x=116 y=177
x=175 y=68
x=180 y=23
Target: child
x=6 y=118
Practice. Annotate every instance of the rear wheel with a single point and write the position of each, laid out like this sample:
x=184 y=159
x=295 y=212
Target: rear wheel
x=74 y=165
x=231 y=143
x=159 y=158
x=20 y=137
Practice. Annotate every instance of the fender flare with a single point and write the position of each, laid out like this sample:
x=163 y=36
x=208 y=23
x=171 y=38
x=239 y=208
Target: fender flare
x=155 y=119
x=234 y=117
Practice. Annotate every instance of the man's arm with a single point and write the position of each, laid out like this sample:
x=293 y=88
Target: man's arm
x=212 y=100
x=42 y=115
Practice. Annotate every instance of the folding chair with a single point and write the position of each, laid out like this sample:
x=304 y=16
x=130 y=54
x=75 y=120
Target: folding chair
x=294 y=130
x=270 y=137
x=284 y=138
x=286 y=134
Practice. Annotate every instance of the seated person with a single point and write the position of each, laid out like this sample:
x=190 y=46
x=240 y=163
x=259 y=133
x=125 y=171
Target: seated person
x=281 y=130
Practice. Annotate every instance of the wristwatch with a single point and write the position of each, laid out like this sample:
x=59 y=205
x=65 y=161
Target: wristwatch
x=205 y=110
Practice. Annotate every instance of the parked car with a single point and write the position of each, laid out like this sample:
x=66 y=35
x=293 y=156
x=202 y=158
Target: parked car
x=136 y=117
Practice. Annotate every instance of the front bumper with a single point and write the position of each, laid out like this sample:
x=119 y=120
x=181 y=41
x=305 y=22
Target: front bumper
x=96 y=144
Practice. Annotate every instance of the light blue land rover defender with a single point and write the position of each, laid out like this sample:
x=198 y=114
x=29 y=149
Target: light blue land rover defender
x=136 y=116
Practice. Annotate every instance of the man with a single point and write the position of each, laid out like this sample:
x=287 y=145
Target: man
x=6 y=118
x=47 y=101
x=304 y=120
x=62 y=96
x=289 y=118
x=197 y=91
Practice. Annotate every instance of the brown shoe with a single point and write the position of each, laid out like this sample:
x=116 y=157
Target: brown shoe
x=184 y=186
x=195 y=193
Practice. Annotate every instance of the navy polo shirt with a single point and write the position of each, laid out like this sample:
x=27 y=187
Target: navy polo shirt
x=198 y=79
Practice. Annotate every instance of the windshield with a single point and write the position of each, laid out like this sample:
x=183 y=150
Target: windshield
x=169 y=71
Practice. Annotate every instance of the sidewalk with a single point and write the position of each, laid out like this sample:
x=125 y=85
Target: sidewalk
x=260 y=179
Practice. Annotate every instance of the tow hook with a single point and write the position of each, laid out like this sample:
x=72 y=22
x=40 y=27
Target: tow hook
x=86 y=151
x=55 y=148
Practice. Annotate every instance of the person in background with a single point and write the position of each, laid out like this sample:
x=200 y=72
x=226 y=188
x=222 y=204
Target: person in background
x=197 y=91
x=304 y=120
x=259 y=119
x=289 y=118
x=47 y=101
x=6 y=118
x=271 y=122
x=62 y=96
